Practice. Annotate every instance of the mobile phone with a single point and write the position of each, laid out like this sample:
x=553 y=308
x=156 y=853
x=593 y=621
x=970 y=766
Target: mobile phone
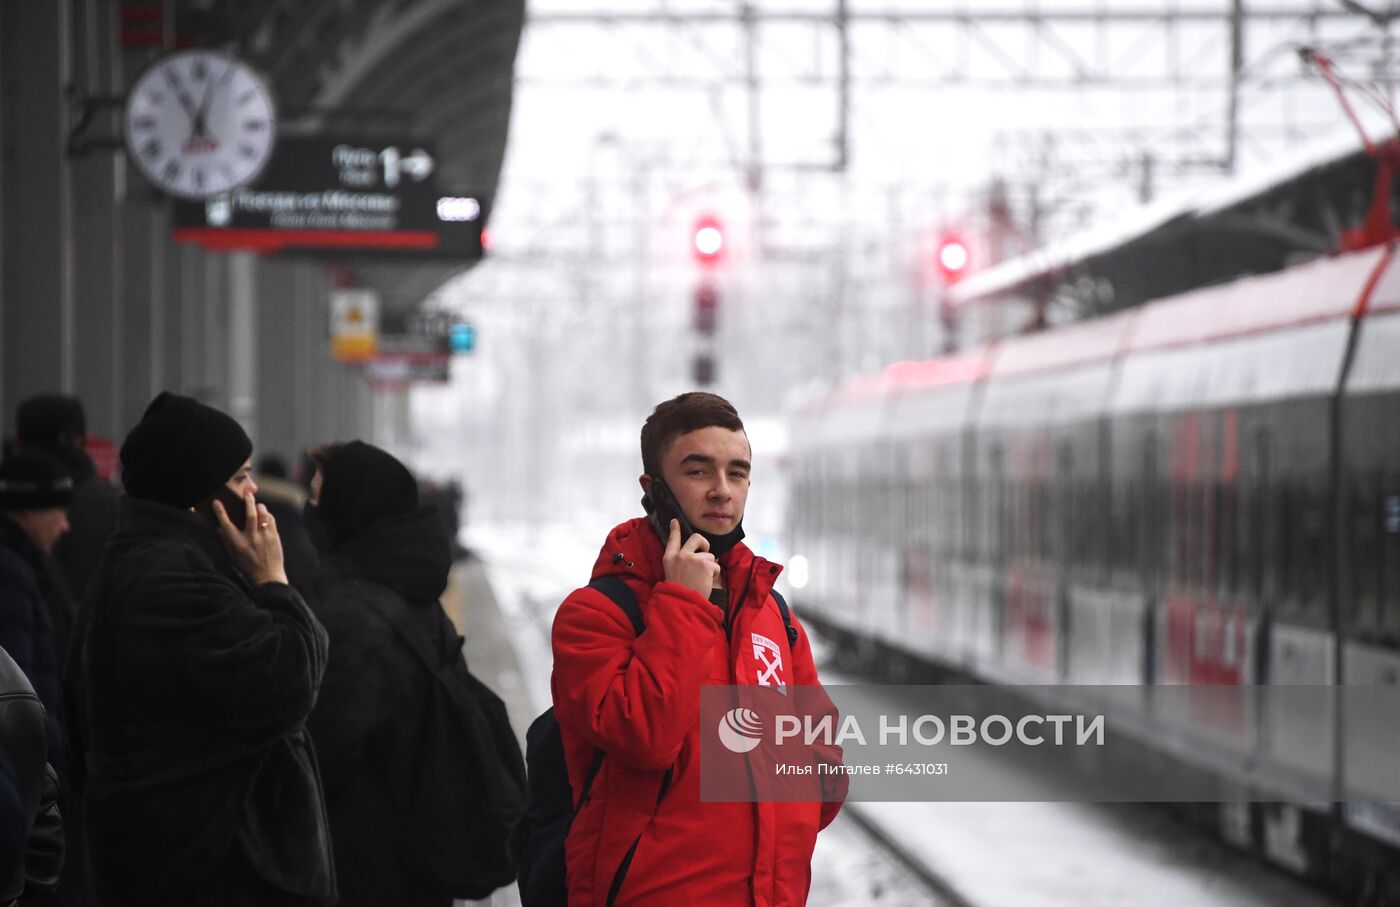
x=662 y=507
x=233 y=506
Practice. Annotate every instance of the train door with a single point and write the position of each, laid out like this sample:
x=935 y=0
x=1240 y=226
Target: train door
x=1064 y=547
x=1149 y=549
x=994 y=545
x=1178 y=608
x=922 y=623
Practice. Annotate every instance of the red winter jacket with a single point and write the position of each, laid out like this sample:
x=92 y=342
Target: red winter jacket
x=637 y=698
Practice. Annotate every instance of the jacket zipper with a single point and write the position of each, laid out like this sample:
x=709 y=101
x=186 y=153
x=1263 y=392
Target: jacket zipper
x=734 y=603
x=626 y=863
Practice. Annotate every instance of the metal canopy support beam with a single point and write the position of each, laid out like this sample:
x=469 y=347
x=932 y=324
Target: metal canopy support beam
x=243 y=339
x=381 y=44
x=1232 y=116
x=36 y=351
x=98 y=187
x=1226 y=63
x=984 y=15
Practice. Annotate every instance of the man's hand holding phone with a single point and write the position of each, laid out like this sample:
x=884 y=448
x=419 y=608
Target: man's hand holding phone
x=256 y=549
x=691 y=564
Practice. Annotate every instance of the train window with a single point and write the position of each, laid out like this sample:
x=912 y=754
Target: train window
x=1123 y=531
x=1146 y=512
x=1364 y=579
x=1250 y=530
x=1198 y=532
x=1180 y=531
x=1389 y=556
x=1225 y=535
x=1281 y=553
x=943 y=498
x=1252 y=538
x=1267 y=528
x=1312 y=566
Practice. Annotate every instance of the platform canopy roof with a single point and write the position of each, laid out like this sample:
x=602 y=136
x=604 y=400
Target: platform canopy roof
x=441 y=69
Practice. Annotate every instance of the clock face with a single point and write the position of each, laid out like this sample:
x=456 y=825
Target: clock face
x=199 y=122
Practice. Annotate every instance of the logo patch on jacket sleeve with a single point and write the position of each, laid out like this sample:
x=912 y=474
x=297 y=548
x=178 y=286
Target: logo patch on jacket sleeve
x=770 y=662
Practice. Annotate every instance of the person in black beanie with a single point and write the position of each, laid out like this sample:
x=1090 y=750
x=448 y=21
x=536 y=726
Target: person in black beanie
x=34 y=494
x=193 y=669
x=385 y=563
x=54 y=424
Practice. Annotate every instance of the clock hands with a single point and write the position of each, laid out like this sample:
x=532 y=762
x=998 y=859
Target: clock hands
x=180 y=95
x=198 y=128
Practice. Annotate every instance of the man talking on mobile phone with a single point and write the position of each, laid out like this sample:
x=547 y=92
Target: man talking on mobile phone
x=628 y=703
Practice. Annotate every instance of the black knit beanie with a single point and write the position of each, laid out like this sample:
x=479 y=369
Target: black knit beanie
x=182 y=451
x=34 y=481
x=361 y=485
x=50 y=420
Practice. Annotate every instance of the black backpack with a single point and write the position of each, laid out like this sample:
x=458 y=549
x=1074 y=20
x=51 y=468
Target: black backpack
x=537 y=843
x=464 y=788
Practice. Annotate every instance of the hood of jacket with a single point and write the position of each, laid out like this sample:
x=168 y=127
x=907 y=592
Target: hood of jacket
x=409 y=553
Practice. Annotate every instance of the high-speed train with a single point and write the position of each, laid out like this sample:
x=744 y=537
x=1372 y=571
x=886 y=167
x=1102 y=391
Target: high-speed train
x=1202 y=490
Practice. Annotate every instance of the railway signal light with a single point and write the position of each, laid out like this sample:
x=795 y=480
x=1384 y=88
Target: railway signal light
x=706 y=309
x=703 y=370
x=952 y=257
x=708 y=240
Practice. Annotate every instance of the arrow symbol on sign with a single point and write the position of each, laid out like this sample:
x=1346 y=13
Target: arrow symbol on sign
x=418 y=165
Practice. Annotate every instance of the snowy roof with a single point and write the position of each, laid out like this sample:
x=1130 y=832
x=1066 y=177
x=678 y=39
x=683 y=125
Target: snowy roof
x=1197 y=202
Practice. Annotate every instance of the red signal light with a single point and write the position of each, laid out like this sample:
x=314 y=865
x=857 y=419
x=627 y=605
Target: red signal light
x=952 y=257
x=708 y=240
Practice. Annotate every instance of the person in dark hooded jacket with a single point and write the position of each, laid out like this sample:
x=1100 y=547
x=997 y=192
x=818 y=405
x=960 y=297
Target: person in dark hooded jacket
x=194 y=667
x=383 y=554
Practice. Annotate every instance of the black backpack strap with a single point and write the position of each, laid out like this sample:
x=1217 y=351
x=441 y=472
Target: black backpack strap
x=621 y=594
x=787 y=616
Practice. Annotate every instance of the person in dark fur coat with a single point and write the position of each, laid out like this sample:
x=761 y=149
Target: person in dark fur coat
x=193 y=670
x=380 y=547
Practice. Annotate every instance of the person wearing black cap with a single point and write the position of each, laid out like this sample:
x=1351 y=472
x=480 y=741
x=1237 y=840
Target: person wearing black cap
x=36 y=608
x=193 y=669
x=54 y=424
x=34 y=492
x=385 y=564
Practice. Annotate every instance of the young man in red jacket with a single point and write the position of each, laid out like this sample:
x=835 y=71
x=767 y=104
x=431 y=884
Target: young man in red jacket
x=643 y=836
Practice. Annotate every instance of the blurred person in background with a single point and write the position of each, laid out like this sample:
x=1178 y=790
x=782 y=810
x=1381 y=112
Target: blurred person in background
x=31 y=824
x=446 y=498
x=385 y=564
x=286 y=500
x=13 y=821
x=35 y=492
x=55 y=424
x=194 y=667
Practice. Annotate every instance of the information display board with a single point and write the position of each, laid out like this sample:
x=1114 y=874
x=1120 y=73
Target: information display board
x=333 y=194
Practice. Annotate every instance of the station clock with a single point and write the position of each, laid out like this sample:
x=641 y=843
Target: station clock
x=199 y=122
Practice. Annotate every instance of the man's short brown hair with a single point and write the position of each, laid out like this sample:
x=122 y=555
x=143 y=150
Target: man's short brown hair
x=681 y=415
